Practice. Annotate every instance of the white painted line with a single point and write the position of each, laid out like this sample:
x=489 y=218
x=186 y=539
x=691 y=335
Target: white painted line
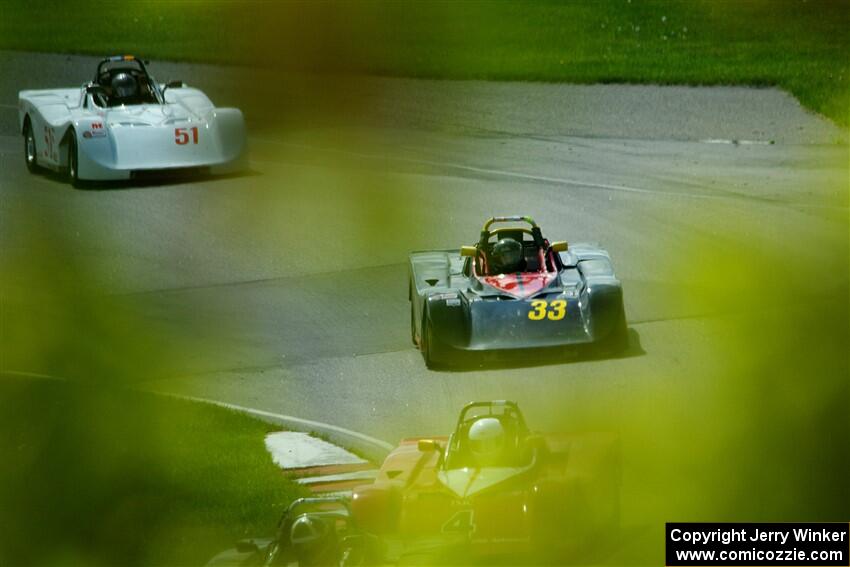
x=489 y=171
x=12 y=106
x=738 y=142
x=31 y=375
x=531 y=177
x=334 y=494
x=294 y=449
x=356 y=475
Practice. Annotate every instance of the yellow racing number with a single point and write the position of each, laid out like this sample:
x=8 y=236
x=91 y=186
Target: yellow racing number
x=539 y=310
x=559 y=309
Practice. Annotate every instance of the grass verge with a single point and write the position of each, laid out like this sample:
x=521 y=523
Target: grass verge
x=99 y=476
x=800 y=46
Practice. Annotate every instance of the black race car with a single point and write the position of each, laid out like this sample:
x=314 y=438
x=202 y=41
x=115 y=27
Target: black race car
x=552 y=295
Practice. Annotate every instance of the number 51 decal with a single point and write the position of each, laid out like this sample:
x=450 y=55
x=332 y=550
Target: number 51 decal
x=541 y=309
x=181 y=135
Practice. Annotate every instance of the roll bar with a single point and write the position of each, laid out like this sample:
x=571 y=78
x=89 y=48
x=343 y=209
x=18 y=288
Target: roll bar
x=290 y=511
x=536 y=233
x=504 y=405
x=515 y=218
x=115 y=59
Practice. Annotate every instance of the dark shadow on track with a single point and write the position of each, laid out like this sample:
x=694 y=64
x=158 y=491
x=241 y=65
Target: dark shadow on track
x=151 y=180
x=532 y=358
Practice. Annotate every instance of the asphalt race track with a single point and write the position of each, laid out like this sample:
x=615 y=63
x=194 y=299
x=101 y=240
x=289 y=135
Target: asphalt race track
x=291 y=281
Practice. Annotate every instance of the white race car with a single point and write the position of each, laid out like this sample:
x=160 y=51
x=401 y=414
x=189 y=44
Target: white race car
x=125 y=125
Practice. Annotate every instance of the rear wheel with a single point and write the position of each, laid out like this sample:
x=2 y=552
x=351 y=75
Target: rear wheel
x=30 y=153
x=73 y=163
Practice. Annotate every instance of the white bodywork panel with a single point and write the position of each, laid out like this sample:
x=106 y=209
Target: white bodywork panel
x=112 y=143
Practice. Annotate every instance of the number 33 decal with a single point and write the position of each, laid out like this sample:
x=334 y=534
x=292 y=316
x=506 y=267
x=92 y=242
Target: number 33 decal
x=181 y=135
x=539 y=310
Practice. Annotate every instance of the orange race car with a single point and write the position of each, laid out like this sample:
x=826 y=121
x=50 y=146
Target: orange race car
x=490 y=491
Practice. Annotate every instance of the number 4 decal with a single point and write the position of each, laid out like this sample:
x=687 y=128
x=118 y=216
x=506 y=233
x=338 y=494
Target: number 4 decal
x=460 y=522
x=181 y=135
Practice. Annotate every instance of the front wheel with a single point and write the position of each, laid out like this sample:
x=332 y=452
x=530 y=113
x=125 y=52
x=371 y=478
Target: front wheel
x=431 y=351
x=412 y=315
x=413 y=326
x=30 y=153
x=425 y=342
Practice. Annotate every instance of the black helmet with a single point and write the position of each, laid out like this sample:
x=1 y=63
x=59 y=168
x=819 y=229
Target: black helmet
x=506 y=256
x=124 y=85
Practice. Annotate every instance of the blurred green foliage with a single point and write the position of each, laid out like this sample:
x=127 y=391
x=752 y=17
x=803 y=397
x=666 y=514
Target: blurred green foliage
x=95 y=472
x=106 y=476
x=800 y=46
x=777 y=421
x=756 y=426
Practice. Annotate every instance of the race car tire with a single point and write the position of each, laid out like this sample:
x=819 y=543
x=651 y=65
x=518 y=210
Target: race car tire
x=30 y=153
x=412 y=317
x=73 y=160
x=413 y=326
x=430 y=347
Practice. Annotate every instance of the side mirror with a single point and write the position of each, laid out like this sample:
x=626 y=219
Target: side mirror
x=98 y=94
x=468 y=251
x=560 y=246
x=427 y=445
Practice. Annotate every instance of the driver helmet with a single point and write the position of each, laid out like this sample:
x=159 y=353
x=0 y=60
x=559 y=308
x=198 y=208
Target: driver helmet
x=124 y=85
x=310 y=538
x=487 y=437
x=506 y=256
